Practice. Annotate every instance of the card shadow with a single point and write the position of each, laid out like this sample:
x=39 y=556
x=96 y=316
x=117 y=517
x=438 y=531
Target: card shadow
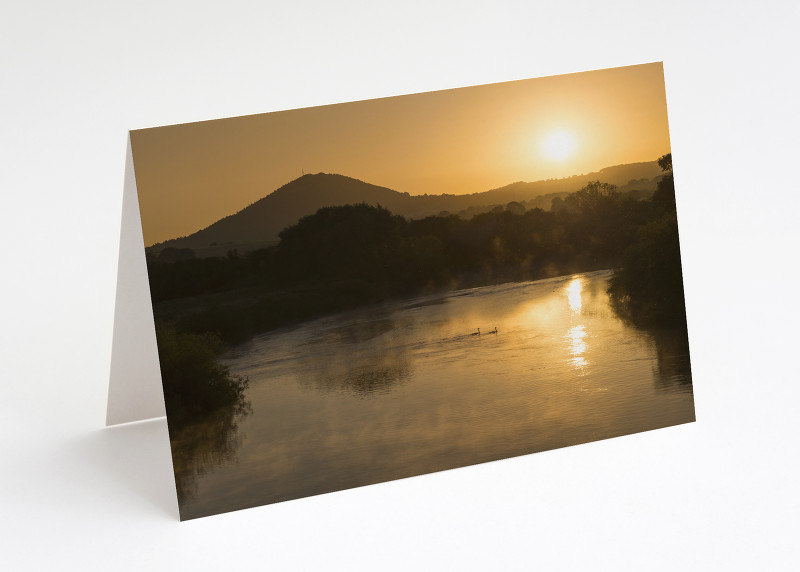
x=137 y=457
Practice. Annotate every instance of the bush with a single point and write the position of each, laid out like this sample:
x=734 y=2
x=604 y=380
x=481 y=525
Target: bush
x=195 y=383
x=649 y=288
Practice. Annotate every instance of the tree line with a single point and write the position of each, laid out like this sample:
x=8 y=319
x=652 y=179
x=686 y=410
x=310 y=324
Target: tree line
x=362 y=245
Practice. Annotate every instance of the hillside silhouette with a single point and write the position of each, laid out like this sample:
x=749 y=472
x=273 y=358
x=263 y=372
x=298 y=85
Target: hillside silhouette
x=259 y=224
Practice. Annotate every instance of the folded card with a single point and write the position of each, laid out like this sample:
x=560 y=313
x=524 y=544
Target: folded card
x=339 y=296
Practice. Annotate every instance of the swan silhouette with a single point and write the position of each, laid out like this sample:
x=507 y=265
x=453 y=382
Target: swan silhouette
x=478 y=333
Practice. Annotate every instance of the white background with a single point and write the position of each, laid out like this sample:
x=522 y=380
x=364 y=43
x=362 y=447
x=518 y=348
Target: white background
x=719 y=494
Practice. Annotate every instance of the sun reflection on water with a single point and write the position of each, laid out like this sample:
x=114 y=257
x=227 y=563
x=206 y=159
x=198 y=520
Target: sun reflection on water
x=574 y=290
x=577 y=346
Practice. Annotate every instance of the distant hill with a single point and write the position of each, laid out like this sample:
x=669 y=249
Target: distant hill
x=258 y=224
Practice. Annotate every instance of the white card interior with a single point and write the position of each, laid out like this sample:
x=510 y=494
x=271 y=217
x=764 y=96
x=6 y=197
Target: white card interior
x=134 y=391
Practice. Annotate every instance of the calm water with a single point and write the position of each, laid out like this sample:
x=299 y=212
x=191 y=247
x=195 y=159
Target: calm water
x=370 y=396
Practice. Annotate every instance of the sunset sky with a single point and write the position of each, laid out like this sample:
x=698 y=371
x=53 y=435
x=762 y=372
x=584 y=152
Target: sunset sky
x=454 y=141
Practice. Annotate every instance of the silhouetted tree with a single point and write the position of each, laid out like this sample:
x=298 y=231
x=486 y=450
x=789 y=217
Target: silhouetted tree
x=664 y=196
x=591 y=197
x=665 y=162
x=515 y=207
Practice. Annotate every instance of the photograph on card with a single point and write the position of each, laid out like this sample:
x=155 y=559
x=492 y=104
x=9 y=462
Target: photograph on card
x=354 y=293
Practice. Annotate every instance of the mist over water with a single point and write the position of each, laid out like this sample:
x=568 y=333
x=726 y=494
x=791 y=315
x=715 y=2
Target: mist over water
x=410 y=388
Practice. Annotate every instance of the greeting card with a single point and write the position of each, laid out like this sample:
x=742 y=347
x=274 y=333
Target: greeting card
x=344 y=295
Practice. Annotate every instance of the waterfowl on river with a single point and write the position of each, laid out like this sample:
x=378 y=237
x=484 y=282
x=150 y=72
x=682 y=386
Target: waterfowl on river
x=478 y=333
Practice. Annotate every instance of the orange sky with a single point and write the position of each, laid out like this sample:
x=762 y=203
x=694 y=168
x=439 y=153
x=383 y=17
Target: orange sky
x=453 y=141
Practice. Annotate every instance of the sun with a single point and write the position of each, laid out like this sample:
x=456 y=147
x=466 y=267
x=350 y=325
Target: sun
x=558 y=145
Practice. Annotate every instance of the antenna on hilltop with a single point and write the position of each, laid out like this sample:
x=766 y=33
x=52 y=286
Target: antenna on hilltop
x=303 y=171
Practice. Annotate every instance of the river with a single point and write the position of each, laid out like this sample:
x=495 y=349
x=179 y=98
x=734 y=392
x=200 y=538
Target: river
x=410 y=388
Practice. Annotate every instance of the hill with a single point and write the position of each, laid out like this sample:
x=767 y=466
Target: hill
x=258 y=224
